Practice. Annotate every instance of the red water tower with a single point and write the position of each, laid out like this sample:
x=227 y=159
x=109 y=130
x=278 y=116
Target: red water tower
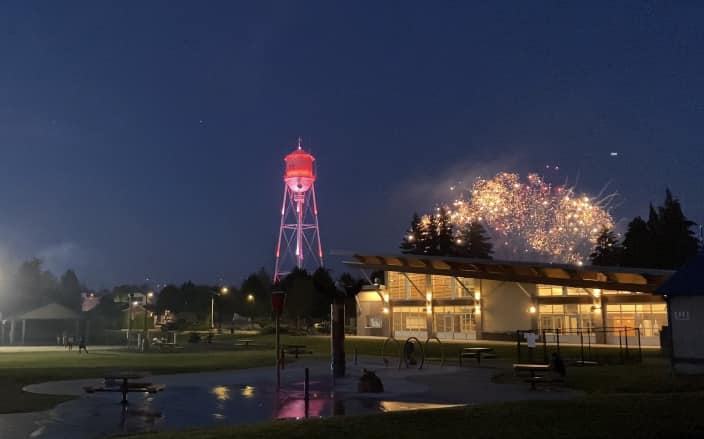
x=299 y=233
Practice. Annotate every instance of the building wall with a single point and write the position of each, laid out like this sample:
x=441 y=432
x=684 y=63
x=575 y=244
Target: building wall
x=371 y=319
x=505 y=306
x=465 y=309
x=687 y=314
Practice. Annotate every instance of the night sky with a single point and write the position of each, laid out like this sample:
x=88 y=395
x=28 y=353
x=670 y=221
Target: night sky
x=147 y=138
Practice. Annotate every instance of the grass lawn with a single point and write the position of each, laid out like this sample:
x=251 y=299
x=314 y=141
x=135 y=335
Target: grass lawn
x=594 y=417
x=20 y=369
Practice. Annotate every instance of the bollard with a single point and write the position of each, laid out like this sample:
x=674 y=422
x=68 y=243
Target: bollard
x=306 y=391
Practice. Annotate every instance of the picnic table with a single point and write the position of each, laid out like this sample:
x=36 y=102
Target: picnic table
x=125 y=385
x=534 y=370
x=477 y=352
x=245 y=342
x=296 y=349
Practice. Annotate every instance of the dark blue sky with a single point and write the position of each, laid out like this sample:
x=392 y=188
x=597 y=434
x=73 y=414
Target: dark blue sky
x=147 y=137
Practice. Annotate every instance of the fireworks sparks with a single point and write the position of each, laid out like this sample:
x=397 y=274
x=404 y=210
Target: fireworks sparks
x=533 y=217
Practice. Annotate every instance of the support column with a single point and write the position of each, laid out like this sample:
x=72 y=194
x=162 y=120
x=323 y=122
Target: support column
x=12 y=332
x=24 y=330
x=429 y=305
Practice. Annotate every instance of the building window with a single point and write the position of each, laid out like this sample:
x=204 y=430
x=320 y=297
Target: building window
x=568 y=318
x=550 y=290
x=410 y=318
x=649 y=318
x=464 y=287
x=454 y=319
x=374 y=322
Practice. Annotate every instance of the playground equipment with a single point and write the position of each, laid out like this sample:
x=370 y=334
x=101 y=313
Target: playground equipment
x=442 y=352
x=406 y=354
x=564 y=341
x=399 y=351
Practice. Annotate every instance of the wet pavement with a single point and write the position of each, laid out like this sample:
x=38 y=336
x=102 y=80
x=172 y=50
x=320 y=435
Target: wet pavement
x=249 y=396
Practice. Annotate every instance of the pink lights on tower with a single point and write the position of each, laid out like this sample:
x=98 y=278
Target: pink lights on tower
x=299 y=234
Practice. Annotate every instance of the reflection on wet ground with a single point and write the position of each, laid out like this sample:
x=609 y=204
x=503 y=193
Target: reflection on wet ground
x=191 y=406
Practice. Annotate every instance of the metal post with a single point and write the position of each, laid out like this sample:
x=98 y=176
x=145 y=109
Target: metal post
x=640 y=350
x=589 y=344
x=278 y=353
x=306 y=391
x=620 y=347
x=557 y=338
x=212 y=311
x=545 y=348
x=625 y=330
x=518 y=347
x=581 y=345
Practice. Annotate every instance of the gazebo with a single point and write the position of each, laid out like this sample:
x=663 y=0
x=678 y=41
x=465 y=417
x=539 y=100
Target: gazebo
x=684 y=293
x=52 y=311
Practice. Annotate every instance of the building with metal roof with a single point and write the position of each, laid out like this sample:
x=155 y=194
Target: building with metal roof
x=461 y=298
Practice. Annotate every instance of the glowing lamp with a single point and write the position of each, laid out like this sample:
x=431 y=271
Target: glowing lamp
x=532 y=309
x=477 y=295
x=428 y=297
x=385 y=310
x=596 y=292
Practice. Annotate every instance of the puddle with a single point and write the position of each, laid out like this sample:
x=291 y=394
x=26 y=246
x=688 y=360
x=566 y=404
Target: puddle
x=181 y=407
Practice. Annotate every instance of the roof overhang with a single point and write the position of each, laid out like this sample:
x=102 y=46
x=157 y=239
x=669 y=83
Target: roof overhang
x=609 y=278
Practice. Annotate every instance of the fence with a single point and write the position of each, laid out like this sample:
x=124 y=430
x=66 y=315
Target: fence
x=578 y=345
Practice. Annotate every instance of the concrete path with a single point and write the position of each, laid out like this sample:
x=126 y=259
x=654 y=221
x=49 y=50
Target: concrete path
x=247 y=396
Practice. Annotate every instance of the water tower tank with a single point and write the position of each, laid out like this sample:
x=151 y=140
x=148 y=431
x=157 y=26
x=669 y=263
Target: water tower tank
x=300 y=174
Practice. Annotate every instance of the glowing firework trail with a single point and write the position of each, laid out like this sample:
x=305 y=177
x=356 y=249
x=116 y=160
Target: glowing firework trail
x=533 y=217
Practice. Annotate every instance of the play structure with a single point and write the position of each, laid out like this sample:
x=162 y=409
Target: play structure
x=576 y=345
x=412 y=352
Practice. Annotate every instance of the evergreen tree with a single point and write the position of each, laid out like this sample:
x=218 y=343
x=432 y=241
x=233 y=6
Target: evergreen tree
x=608 y=251
x=679 y=242
x=473 y=242
x=69 y=293
x=441 y=234
x=413 y=237
x=666 y=240
x=638 y=250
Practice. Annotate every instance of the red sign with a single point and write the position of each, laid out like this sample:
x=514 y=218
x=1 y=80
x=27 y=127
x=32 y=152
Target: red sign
x=277 y=301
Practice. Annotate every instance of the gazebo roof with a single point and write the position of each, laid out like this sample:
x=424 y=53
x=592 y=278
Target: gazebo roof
x=52 y=311
x=687 y=281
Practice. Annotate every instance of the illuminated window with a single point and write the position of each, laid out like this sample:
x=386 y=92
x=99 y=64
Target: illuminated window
x=549 y=290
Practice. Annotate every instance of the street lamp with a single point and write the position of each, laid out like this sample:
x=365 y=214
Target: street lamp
x=250 y=300
x=144 y=321
x=223 y=291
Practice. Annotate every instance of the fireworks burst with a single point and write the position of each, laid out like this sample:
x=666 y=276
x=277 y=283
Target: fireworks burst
x=534 y=218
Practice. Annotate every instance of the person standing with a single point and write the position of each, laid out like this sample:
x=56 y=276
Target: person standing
x=82 y=345
x=70 y=343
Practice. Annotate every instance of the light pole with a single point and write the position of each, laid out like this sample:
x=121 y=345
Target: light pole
x=145 y=339
x=222 y=292
x=250 y=300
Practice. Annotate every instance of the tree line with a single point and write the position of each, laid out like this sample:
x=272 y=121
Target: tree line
x=33 y=286
x=665 y=240
x=436 y=235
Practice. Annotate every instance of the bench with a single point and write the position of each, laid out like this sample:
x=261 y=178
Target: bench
x=478 y=353
x=296 y=350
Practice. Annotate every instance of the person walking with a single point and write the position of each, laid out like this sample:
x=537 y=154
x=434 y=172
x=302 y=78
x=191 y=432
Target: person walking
x=82 y=345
